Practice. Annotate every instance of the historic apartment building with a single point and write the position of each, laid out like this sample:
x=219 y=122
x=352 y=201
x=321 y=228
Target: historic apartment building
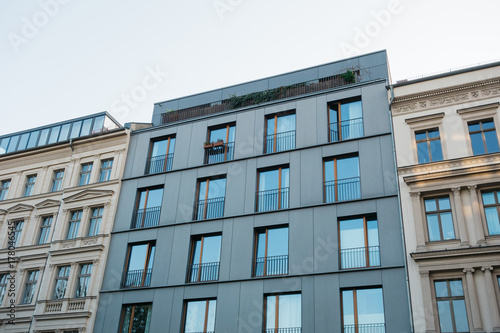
x=58 y=194
x=448 y=157
x=268 y=206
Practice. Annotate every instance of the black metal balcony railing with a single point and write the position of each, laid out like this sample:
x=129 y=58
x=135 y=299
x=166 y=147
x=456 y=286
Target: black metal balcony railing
x=280 y=142
x=159 y=163
x=342 y=189
x=143 y=218
x=209 y=209
x=220 y=153
x=200 y=332
x=272 y=199
x=137 y=278
x=203 y=272
x=276 y=265
x=284 y=330
x=360 y=257
x=365 y=328
x=348 y=129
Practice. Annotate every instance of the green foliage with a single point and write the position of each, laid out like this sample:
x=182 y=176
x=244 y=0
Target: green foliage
x=348 y=76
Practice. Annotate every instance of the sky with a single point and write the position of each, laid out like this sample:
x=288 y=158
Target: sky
x=63 y=59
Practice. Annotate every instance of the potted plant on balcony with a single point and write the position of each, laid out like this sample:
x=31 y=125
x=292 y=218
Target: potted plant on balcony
x=218 y=143
x=208 y=144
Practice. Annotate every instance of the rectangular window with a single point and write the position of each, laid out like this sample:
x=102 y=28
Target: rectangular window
x=341 y=179
x=220 y=144
x=451 y=306
x=280 y=133
x=139 y=265
x=148 y=208
x=211 y=196
x=29 y=186
x=283 y=313
x=83 y=280
x=161 y=155
x=200 y=316
x=271 y=252
x=95 y=221
x=273 y=191
x=135 y=318
x=4 y=280
x=439 y=218
x=74 y=224
x=15 y=231
x=429 y=146
x=483 y=137
x=57 y=180
x=61 y=282
x=363 y=311
x=45 y=229
x=359 y=242
x=491 y=206
x=85 y=172
x=4 y=188
x=345 y=120
x=205 y=258
x=29 y=287
x=105 y=171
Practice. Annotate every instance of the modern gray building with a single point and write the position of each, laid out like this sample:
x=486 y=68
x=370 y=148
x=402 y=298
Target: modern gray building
x=269 y=206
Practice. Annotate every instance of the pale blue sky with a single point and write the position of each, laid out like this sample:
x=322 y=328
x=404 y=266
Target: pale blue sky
x=84 y=57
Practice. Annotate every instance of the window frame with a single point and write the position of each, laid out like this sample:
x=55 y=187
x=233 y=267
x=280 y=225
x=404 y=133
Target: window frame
x=144 y=278
x=496 y=195
x=281 y=190
x=336 y=180
x=29 y=185
x=45 y=229
x=338 y=121
x=448 y=278
x=93 y=228
x=265 y=230
x=276 y=310
x=17 y=229
x=85 y=174
x=74 y=222
x=438 y=214
x=59 y=277
x=194 y=240
x=428 y=144
x=86 y=277
x=483 y=137
x=366 y=218
x=4 y=282
x=57 y=181
x=355 y=315
x=105 y=170
x=275 y=116
x=154 y=215
x=169 y=157
x=32 y=284
x=4 y=190
x=206 y=316
x=123 y=313
x=206 y=204
x=227 y=148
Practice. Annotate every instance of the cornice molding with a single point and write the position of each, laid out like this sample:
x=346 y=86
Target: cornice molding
x=479 y=108
x=439 y=115
x=439 y=254
x=439 y=175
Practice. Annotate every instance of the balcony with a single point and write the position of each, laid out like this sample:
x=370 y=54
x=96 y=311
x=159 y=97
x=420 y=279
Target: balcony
x=157 y=164
x=65 y=305
x=217 y=154
x=347 y=129
x=284 y=330
x=280 y=142
x=137 y=278
x=266 y=266
x=342 y=189
x=365 y=328
x=209 y=209
x=360 y=257
x=143 y=218
x=203 y=272
x=272 y=199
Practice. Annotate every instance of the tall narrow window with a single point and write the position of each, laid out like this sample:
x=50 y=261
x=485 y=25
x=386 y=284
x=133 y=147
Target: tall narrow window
x=200 y=316
x=45 y=229
x=359 y=243
x=4 y=188
x=85 y=173
x=220 y=145
x=205 y=258
x=492 y=211
x=363 y=311
x=283 y=313
x=280 y=133
x=135 y=318
x=29 y=287
x=74 y=224
x=429 y=146
x=95 y=221
x=211 y=197
x=29 y=186
x=15 y=231
x=57 y=180
x=342 y=180
x=451 y=306
x=83 y=280
x=271 y=252
x=345 y=120
x=148 y=208
x=105 y=171
x=273 y=191
x=439 y=219
x=139 y=266
x=4 y=280
x=483 y=137
x=161 y=155
x=61 y=282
